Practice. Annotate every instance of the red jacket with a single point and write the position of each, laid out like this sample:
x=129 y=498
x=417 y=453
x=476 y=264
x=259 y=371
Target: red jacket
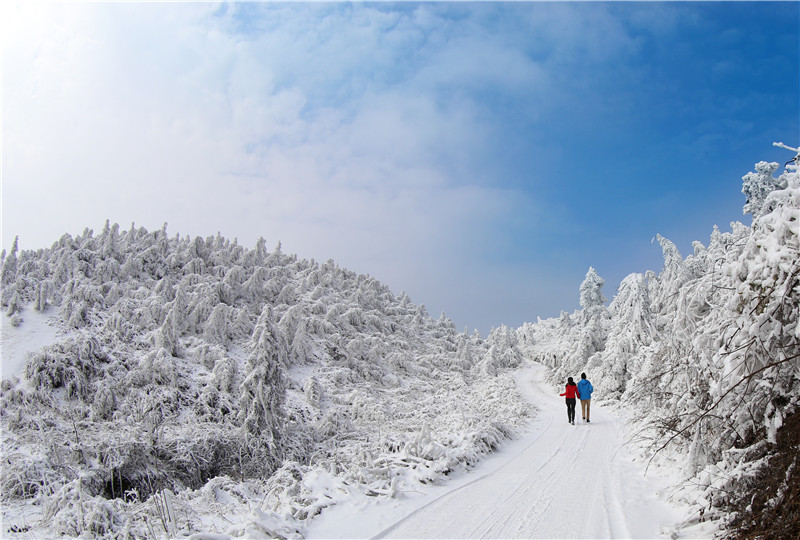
x=572 y=392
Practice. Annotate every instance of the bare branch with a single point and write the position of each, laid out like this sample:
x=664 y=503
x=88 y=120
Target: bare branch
x=719 y=400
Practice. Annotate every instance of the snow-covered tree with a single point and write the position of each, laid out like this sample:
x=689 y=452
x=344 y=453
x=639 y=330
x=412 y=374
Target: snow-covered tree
x=757 y=186
x=8 y=273
x=263 y=393
x=591 y=294
x=630 y=329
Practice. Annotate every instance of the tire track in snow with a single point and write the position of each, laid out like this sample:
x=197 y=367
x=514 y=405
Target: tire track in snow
x=564 y=484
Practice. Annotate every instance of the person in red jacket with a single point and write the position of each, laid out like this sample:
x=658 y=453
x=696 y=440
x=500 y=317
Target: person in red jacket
x=571 y=392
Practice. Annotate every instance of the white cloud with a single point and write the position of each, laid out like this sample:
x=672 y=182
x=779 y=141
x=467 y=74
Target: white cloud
x=376 y=135
x=320 y=133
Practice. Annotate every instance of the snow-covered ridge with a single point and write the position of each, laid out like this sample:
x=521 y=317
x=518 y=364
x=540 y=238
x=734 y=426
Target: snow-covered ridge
x=705 y=354
x=196 y=385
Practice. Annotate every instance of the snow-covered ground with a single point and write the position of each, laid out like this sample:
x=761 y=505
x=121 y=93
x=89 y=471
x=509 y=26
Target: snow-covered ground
x=556 y=481
x=37 y=331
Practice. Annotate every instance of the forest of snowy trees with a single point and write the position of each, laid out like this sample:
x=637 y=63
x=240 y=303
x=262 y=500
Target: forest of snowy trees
x=192 y=380
x=705 y=356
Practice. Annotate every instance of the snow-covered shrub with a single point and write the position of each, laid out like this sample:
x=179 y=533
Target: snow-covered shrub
x=104 y=402
x=71 y=365
x=27 y=476
x=313 y=392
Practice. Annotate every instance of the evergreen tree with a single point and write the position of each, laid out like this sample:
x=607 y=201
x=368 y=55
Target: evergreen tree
x=8 y=274
x=263 y=393
x=591 y=294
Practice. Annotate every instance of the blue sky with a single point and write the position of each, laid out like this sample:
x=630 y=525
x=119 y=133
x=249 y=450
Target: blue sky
x=479 y=156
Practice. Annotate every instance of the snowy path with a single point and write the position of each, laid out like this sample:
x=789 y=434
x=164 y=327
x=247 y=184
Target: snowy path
x=563 y=481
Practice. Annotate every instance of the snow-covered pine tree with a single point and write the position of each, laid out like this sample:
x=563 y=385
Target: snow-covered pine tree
x=593 y=331
x=262 y=396
x=591 y=291
x=630 y=329
x=8 y=273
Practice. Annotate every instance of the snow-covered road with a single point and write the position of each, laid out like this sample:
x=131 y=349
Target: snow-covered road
x=566 y=482
x=558 y=481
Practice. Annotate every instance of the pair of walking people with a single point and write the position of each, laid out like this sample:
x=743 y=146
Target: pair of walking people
x=583 y=391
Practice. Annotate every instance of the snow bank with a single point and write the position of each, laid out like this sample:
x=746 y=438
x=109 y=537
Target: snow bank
x=33 y=331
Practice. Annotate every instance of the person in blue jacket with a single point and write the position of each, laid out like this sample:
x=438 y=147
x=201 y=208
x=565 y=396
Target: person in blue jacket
x=585 y=390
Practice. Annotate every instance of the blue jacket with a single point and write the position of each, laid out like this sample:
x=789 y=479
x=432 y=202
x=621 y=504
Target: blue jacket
x=585 y=389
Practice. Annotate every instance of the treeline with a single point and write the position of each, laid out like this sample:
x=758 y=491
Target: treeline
x=705 y=355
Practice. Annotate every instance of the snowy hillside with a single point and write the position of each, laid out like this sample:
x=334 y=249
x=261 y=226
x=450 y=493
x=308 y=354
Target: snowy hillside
x=706 y=357
x=167 y=385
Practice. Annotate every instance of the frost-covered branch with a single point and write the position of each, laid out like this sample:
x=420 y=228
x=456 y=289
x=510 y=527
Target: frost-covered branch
x=719 y=400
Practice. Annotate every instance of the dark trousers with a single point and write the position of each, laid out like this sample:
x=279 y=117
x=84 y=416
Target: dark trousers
x=571 y=409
